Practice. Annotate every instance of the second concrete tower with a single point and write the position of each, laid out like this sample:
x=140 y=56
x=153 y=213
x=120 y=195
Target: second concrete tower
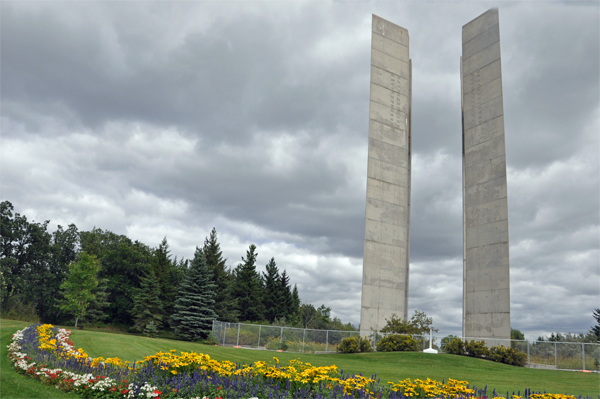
x=387 y=221
x=486 y=285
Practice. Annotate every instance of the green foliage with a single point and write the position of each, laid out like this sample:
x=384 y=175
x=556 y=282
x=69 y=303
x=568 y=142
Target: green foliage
x=15 y=308
x=516 y=334
x=33 y=262
x=349 y=345
x=455 y=347
x=595 y=330
x=147 y=306
x=397 y=343
x=273 y=298
x=318 y=319
x=194 y=312
x=248 y=289
x=123 y=264
x=78 y=288
x=225 y=304
x=508 y=355
x=419 y=324
x=365 y=345
x=167 y=277
x=150 y=330
x=476 y=349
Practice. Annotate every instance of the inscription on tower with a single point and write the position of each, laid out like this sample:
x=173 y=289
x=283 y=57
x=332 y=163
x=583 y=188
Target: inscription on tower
x=387 y=219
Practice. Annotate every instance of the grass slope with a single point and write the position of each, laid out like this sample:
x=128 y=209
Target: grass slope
x=388 y=366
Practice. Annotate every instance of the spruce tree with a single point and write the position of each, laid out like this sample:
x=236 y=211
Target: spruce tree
x=225 y=305
x=595 y=330
x=147 y=306
x=294 y=315
x=285 y=293
x=165 y=271
x=248 y=289
x=194 y=312
x=273 y=298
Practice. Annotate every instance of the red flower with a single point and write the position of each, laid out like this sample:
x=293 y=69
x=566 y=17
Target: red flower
x=157 y=392
x=124 y=391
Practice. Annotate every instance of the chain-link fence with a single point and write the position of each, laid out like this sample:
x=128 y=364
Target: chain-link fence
x=540 y=354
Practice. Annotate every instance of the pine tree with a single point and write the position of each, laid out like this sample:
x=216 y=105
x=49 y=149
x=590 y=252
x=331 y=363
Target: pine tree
x=247 y=288
x=225 y=306
x=147 y=306
x=194 y=312
x=273 y=299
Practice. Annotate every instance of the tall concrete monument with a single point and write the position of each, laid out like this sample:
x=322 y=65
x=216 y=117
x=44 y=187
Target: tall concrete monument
x=387 y=224
x=486 y=291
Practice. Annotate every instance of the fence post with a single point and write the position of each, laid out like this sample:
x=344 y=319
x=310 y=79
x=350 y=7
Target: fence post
x=326 y=340
x=528 y=352
x=281 y=337
x=555 y=361
x=259 y=327
x=224 y=333
x=303 y=336
x=238 y=337
x=583 y=354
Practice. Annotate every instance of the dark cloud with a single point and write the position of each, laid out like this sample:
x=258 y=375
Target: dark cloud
x=150 y=119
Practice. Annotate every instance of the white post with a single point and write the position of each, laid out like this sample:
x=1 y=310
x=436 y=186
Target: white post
x=238 y=337
x=430 y=349
x=327 y=341
x=583 y=355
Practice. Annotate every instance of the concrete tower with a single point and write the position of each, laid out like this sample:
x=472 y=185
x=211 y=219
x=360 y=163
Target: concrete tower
x=387 y=224
x=486 y=290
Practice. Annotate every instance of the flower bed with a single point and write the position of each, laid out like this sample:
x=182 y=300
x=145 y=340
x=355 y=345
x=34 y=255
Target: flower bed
x=46 y=353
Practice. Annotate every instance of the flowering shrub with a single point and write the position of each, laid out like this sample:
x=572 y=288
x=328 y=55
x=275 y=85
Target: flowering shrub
x=46 y=353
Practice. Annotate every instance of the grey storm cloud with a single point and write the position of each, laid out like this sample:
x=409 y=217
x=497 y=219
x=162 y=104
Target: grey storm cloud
x=168 y=119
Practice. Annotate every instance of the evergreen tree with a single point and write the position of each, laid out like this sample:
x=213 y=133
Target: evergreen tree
x=147 y=306
x=286 y=299
x=273 y=299
x=595 y=330
x=194 y=306
x=225 y=305
x=295 y=303
x=166 y=276
x=248 y=289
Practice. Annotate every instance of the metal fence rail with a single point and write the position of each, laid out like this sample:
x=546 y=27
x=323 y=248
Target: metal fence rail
x=540 y=354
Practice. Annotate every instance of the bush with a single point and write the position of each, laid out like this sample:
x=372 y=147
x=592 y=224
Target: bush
x=365 y=345
x=509 y=355
x=455 y=347
x=397 y=343
x=477 y=349
x=349 y=345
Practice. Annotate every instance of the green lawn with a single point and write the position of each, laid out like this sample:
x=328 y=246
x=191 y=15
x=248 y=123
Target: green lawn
x=388 y=366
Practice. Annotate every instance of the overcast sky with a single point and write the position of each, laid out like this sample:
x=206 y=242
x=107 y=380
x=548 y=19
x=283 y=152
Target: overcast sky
x=155 y=119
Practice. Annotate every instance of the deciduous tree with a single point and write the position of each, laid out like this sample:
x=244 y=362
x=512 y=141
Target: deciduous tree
x=78 y=288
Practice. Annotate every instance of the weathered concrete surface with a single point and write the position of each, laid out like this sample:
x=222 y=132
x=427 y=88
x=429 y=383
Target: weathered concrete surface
x=486 y=285
x=387 y=216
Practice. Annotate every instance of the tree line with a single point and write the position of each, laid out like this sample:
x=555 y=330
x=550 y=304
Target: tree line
x=98 y=276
